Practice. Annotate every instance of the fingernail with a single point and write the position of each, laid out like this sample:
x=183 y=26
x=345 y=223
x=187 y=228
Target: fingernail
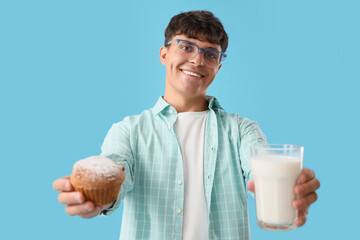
x=298 y=203
x=299 y=222
x=299 y=189
x=88 y=208
x=79 y=198
x=302 y=179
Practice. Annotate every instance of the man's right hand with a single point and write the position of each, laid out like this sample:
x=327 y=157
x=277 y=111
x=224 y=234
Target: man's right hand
x=75 y=201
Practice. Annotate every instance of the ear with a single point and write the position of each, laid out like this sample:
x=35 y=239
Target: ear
x=163 y=54
x=219 y=68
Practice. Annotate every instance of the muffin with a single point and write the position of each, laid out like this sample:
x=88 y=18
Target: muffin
x=98 y=178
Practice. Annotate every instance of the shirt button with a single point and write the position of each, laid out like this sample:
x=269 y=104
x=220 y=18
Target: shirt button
x=171 y=110
x=208 y=176
x=169 y=126
x=213 y=148
x=179 y=210
x=179 y=182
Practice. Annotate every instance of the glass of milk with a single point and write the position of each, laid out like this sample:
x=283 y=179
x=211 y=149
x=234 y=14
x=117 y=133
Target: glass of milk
x=276 y=169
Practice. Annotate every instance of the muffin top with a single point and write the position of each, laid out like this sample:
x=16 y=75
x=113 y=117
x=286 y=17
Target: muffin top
x=95 y=170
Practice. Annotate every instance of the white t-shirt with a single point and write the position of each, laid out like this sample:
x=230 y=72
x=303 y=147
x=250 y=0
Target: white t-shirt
x=190 y=127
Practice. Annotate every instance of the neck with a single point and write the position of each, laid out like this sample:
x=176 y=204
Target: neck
x=187 y=104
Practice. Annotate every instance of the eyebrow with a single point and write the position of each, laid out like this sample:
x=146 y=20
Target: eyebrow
x=202 y=47
x=213 y=49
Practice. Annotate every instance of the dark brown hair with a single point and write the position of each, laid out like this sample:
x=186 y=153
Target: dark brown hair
x=201 y=25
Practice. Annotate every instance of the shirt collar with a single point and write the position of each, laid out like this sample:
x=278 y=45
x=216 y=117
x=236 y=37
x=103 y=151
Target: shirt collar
x=162 y=105
x=213 y=103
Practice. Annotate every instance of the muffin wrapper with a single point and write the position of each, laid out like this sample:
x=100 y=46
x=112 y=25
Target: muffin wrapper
x=100 y=196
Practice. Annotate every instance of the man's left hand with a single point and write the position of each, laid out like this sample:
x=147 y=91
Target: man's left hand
x=305 y=193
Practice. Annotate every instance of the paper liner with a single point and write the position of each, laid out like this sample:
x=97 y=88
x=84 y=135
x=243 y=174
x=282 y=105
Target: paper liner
x=100 y=196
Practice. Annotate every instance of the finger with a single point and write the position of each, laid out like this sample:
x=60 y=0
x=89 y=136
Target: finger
x=305 y=201
x=80 y=209
x=94 y=213
x=306 y=175
x=300 y=221
x=251 y=186
x=97 y=211
x=307 y=187
x=71 y=198
x=302 y=216
x=63 y=184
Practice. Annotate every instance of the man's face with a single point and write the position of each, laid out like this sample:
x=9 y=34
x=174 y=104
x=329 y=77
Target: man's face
x=187 y=77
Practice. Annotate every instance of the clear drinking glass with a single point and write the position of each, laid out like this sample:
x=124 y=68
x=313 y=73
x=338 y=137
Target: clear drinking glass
x=276 y=169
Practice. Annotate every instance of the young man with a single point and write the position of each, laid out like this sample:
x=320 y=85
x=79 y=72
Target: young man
x=186 y=160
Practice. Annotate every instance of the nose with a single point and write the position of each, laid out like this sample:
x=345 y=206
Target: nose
x=198 y=59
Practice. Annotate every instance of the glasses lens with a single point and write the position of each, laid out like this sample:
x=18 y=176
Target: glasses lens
x=212 y=58
x=189 y=50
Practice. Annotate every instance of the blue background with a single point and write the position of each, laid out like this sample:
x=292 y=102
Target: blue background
x=69 y=69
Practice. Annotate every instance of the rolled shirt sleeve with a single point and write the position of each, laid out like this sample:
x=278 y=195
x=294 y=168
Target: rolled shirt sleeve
x=250 y=134
x=116 y=147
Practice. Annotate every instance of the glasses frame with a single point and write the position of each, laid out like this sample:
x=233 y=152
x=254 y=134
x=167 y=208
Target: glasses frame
x=222 y=58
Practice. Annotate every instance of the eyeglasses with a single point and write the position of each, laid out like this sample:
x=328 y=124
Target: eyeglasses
x=188 y=50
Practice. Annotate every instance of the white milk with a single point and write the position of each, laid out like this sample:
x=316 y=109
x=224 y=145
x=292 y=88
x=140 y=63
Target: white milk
x=275 y=178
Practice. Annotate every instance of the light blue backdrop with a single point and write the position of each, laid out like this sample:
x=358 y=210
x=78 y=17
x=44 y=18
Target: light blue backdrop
x=69 y=69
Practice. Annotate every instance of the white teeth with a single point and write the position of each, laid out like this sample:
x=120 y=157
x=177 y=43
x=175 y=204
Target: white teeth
x=191 y=73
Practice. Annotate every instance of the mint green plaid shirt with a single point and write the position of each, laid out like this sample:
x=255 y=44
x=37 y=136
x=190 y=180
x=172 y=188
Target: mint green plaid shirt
x=153 y=192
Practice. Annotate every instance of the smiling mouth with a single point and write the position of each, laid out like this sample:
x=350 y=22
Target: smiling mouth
x=194 y=74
